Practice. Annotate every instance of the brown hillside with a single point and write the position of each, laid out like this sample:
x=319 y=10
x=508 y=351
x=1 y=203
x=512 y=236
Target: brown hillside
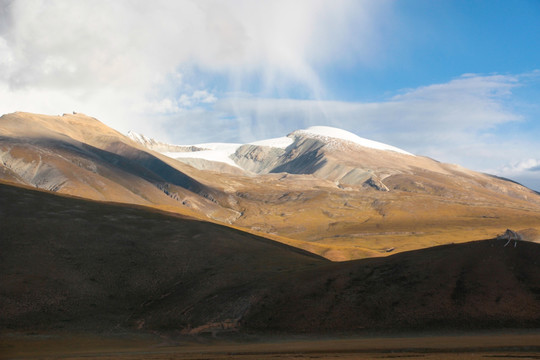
x=74 y=265
x=78 y=155
x=466 y=286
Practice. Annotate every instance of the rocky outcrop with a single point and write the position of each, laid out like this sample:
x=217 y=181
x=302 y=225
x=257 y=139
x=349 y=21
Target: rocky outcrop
x=258 y=159
x=376 y=184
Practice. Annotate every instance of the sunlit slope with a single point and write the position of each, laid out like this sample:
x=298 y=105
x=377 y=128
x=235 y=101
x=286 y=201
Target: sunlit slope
x=344 y=223
x=78 y=155
x=346 y=197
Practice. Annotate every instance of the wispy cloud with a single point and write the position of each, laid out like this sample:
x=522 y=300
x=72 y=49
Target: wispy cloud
x=446 y=113
x=528 y=165
x=107 y=57
x=458 y=121
x=525 y=171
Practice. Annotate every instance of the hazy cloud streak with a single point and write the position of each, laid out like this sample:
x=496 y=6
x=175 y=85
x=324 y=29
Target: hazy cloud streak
x=107 y=57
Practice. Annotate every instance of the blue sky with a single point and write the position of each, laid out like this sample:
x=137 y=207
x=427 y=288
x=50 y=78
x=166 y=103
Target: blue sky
x=456 y=80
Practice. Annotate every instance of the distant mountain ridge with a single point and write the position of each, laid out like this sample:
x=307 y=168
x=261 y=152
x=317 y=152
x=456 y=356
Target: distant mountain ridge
x=294 y=153
x=161 y=146
x=325 y=152
x=329 y=195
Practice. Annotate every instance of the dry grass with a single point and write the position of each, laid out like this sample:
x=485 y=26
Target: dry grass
x=351 y=225
x=137 y=347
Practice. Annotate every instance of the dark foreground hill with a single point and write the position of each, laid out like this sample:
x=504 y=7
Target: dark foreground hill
x=72 y=264
x=75 y=264
x=467 y=286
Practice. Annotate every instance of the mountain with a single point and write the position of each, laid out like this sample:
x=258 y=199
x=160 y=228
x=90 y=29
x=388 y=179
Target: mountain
x=326 y=153
x=78 y=155
x=300 y=152
x=321 y=189
x=73 y=265
x=346 y=197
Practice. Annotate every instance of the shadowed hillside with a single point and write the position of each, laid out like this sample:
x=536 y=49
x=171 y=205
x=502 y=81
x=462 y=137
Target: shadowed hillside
x=467 y=286
x=74 y=264
x=77 y=265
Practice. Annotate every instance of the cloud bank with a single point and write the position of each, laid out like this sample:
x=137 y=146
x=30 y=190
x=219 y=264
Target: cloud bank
x=104 y=57
x=451 y=121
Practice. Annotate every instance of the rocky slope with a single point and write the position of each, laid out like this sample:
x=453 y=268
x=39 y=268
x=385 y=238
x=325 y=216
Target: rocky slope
x=78 y=155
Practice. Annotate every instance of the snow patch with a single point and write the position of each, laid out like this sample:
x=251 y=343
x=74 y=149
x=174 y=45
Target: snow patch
x=219 y=152
x=327 y=133
x=280 y=142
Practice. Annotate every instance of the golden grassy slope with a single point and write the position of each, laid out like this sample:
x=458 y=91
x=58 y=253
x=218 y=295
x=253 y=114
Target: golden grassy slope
x=357 y=222
x=429 y=203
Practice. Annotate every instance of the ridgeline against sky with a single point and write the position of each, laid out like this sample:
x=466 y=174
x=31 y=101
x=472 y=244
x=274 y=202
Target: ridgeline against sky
x=454 y=80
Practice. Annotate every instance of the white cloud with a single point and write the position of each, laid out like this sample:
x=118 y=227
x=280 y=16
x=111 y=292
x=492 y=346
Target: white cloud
x=115 y=55
x=526 y=172
x=196 y=98
x=523 y=166
x=462 y=109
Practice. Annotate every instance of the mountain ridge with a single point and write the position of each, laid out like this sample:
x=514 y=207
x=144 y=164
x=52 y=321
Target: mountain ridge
x=329 y=136
x=92 y=160
x=341 y=202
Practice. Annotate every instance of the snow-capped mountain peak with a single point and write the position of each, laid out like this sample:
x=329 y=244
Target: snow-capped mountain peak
x=326 y=133
x=280 y=142
x=284 y=154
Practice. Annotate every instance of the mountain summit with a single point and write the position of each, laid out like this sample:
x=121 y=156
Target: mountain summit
x=270 y=155
x=321 y=189
x=350 y=197
x=329 y=134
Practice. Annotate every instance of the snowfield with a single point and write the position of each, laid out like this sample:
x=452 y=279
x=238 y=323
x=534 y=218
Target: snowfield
x=221 y=152
x=327 y=132
x=280 y=142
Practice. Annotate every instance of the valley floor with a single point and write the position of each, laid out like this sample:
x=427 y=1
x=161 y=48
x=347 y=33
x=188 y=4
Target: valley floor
x=500 y=345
